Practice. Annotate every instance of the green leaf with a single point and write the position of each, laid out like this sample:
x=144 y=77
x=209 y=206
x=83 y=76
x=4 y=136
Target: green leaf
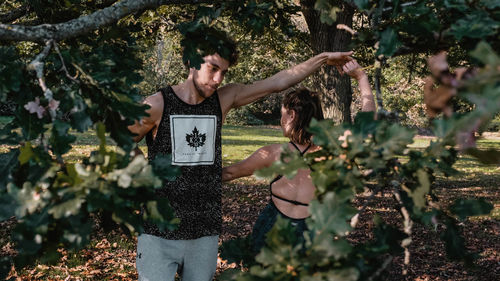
x=101 y=134
x=456 y=4
x=26 y=153
x=338 y=249
x=419 y=194
x=8 y=162
x=454 y=242
x=332 y=215
x=364 y=123
x=5 y=266
x=8 y=206
x=464 y=208
x=68 y=208
x=161 y=214
x=362 y=4
x=490 y=4
x=28 y=199
x=326 y=133
x=238 y=250
x=490 y=156
x=389 y=43
x=81 y=121
x=60 y=139
x=163 y=168
x=474 y=25
x=344 y=274
x=288 y=165
x=484 y=53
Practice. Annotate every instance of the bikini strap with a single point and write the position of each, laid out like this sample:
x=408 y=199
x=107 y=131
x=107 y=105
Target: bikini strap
x=301 y=152
x=289 y=201
x=280 y=176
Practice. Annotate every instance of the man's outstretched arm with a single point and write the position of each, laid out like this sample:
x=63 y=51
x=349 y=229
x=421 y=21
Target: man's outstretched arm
x=236 y=95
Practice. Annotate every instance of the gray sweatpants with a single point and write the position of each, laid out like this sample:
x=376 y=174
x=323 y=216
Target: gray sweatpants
x=159 y=259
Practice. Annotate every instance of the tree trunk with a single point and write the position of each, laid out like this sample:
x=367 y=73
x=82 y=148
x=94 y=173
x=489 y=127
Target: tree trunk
x=335 y=90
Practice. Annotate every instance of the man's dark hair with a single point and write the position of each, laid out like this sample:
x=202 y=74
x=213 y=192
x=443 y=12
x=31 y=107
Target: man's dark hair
x=206 y=41
x=307 y=106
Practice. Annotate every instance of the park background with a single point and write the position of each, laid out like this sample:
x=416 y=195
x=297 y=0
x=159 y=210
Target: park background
x=150 y=43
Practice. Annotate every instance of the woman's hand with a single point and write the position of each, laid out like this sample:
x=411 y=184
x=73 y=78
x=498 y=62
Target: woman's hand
x=353 y=69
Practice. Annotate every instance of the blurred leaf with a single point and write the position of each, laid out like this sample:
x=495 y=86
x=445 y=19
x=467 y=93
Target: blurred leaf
x=362 y=4
x=344 y=274
x=288 y=165
x=8 y=162
x=420 y=193
x=338 y=249
x=61 y=139
x=464 y=208
x=80 y=121
x=485 y=54
x=238 y=250
x=332 y=214
x=454 y=242
x=26 y=153
x=490 y=156
x=477 y=24
x=8 y=206
x=389 y=43
x=67 y=208
x=163 y=168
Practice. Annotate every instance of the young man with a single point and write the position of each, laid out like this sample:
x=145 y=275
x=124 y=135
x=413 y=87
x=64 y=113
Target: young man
x=185 y=121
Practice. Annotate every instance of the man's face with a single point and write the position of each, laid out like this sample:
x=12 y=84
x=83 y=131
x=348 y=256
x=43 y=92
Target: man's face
x=210 y=76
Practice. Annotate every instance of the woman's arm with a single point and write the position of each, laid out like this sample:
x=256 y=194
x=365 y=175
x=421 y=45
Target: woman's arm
x=261 y=158
x=353 y=69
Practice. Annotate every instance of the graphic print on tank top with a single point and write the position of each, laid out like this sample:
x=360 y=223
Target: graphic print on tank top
x=193 y=139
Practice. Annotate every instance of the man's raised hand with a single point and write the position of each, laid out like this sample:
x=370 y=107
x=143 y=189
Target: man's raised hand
x=338 y=59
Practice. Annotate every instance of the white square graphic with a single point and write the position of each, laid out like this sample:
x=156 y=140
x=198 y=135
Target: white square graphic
x=193 y=139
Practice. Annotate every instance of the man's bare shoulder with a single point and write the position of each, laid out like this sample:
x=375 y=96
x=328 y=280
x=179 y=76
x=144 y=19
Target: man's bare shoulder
x=230 y=88
x=155 y=101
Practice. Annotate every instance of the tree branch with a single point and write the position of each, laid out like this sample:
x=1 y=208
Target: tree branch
x=37 y=66
x=408 y=224
x=84 y=24
x=378 y=91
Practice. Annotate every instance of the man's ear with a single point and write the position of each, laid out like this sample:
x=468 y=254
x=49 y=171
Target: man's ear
x=292 y=114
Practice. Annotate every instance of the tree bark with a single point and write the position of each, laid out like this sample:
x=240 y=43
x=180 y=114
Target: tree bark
x=335 y=89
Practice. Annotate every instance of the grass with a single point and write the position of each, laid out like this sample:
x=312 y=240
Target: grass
x=239 y=142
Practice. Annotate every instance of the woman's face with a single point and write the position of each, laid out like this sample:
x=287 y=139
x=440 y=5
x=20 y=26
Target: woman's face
x=286 y=121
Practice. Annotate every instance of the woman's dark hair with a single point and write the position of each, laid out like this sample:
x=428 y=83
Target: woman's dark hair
x=307 y=106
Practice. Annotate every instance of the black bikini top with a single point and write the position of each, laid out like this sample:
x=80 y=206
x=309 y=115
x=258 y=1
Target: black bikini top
x=280 y=176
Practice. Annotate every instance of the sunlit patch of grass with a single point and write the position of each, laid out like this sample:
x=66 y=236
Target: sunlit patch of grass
x=421 y=142
x=238 y=142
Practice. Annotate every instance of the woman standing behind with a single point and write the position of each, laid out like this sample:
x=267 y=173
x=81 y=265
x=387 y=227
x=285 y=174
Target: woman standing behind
x=290 y=197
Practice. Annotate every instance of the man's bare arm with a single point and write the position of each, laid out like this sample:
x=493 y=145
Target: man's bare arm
x=147 y=123
x=236 y=95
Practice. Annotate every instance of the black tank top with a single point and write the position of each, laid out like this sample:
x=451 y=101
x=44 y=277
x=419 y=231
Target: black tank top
x=192 y=134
